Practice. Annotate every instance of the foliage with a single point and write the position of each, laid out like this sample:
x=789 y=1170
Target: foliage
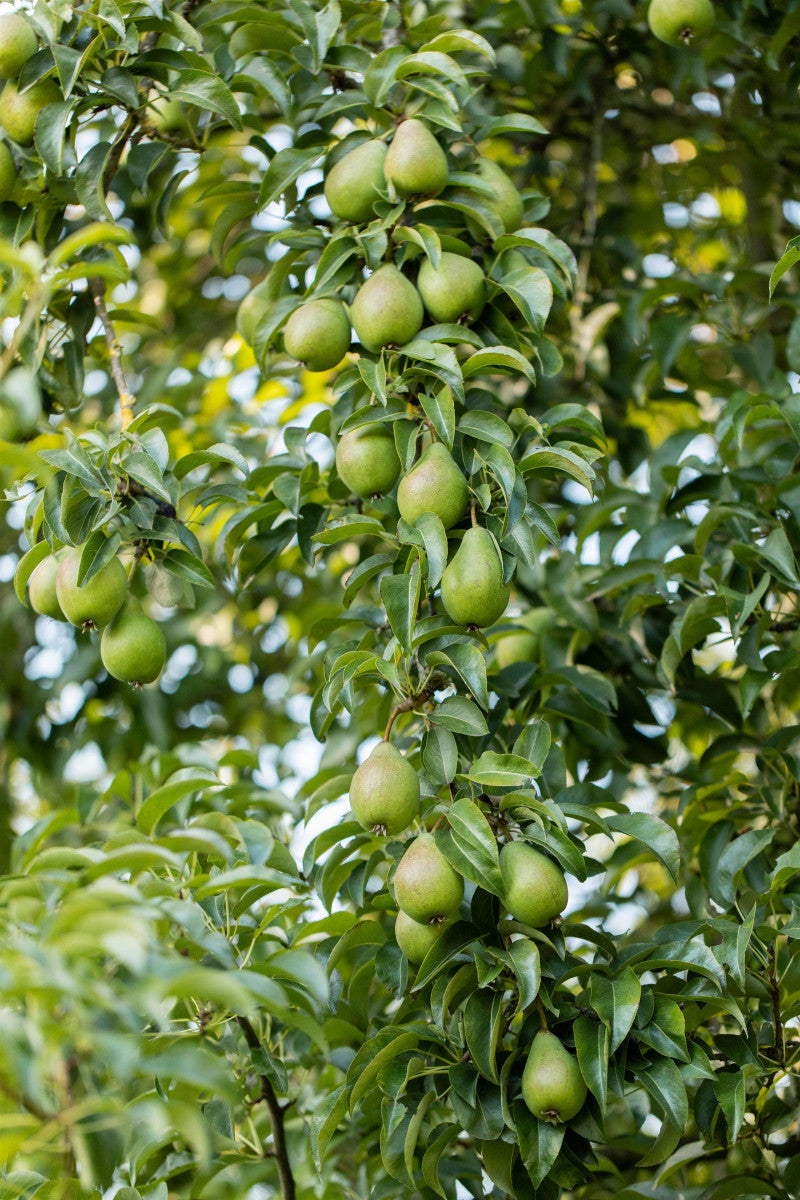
x=202 y=994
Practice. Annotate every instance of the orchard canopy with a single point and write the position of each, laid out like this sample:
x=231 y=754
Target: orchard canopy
x=399 y=573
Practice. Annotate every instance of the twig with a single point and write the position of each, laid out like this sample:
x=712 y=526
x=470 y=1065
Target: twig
x=23 y=1102
x=420 y=697
x=98 y=290
x=276 y=1115
x=775 y=996
x=542 y=1014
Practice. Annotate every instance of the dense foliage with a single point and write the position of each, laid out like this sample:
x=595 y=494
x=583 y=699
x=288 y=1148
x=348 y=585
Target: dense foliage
x=202 y=993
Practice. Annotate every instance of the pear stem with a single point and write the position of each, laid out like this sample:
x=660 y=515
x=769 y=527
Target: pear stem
x=542 y=1014
x=472 y=517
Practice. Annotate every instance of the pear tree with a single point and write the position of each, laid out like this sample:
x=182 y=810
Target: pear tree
x=400 y=765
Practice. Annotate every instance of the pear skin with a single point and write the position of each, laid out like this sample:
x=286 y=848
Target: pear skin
x=416 y=164
x=19 y=110
x=387 y=310
x=552 y=1084
x=17 y=44
x=384 y=792
x=317 y=334
x=426 y=887
x=506 y=202
x=42 y=587
x=133 y=648
x=681 y=22
x=454 y=290
x=473 y=592
x=8 y=172
x=434 y=484
x=352 y=184
x=367 y=460
x=96 y=602
x=535 y=887
x=415 y=940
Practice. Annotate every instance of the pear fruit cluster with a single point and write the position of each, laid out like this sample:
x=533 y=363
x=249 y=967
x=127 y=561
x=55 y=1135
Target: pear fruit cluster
x=19 y=108
x=133 y=648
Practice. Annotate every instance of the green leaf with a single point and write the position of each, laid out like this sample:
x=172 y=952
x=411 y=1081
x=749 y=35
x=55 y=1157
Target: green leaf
x=539 y=1142
x=328 y=1113
x=729 y=1088
x=26 y=566
x=440 y=755
x=501 y=770
x=483 y=1014
x=207 y=91
x=468 y=663
x=616 y=1002
x=400 y=595
x=435 y=540
x=664 y=1082
x=653 y=833
x=362 y=1074
x=75 y=461
x=460 y=715
x=524 y=955
x=285 y=168
x=498 y=360
x=531 y=291
x=97 y=552
x=592 y=1049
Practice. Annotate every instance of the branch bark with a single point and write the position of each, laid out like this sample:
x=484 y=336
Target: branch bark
x=276 y=1115
x=434 y=683
x=97 y=288
x=587 y=242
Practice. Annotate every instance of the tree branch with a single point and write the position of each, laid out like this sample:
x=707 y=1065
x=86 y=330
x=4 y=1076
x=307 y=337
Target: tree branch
x=434 y=683
x=775 y=997
x=97 y=288
x=276 y=1116
x=587 y=242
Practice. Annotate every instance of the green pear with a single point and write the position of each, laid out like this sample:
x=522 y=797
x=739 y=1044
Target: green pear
x=535 y=887
x=367 y=460
x=8 y=173
x=426 y=887
x=416 y=164
x=414 y=939
x=523 y=645
x=552 y=1084
x=681 y=22
x=20 y=405
x=353 y=184
x=42 y=587
x=19 y=110
x=473 y=592
x=132 y=647
x=454 y=289
x=17 y=44
x=317 y=334
x=96 y=602
x=434 y=484
x=506 y=202
x=384 y=792
x=387 y=310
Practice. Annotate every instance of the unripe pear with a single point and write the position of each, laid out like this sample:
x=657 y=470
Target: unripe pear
x=387 y=310
x=552 y=1084
x=42 y=587
x=367 y=460
x=434 y=484
x=454 y=289
x=17 y=44
x=473 y=592
x=19 y=110
x=535 y=890
x=384 y=792
x=416 y=164
x=8 y=172
x=318 y=334
x=20 y=405
x=523 y=645
x=681 y=22
x=414 y=939
x=426 y=887
x=96 y=602
x=506 y=202
x=353 y=183
x=133 y=647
